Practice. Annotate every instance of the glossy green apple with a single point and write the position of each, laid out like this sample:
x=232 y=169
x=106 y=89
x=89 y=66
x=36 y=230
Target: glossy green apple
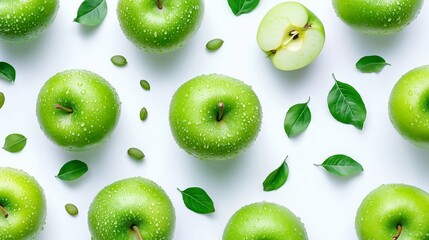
x=24 y=20
x=77 y=109
x=22 y=205
x=291 y=35
x=129 y=208
x=394 y=211
x=379 y=17
x=268 y=221
x=409 y=106
x=215 y=117
x=160 y=25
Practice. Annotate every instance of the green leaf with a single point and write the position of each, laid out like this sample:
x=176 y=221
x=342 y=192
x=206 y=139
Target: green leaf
x=197 y=200
x=7 y=72
x=346 y=104
x=2 y=99
x=297 y=119
x=341 y=165
x=91 y=12
x=14 y=143
x=277 y=178
x=239 y=7
x=371 y=64
x=72 y=170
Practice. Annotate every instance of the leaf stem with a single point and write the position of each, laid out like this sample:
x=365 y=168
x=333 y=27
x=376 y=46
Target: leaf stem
x=399 y=227
x=4 y=211
x=159 y=4
x=220 y=114
x=137 y=231
x=67 y=110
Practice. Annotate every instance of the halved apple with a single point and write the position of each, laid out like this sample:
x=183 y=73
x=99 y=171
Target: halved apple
x=291 y=35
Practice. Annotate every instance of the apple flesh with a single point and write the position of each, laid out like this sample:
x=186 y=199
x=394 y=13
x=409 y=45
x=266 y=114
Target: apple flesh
x=160 y=26
x=22 y=205
x=380 y=17
x=77 y=109
x=264 y=220
x=130 y=209
x=409 y=106
x=291 y=35
x=215 y=117
x=394 y=211
x=22 y=21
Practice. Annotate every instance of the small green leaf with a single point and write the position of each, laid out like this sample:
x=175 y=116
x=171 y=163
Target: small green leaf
x=145 y=85
x=239 y=7
x=7 y=72
x=341 y=165
x=277 y=178
x=14 y=143
x=297 y=119
x=371 y=64
x=2 y=99
x=72 y=170
x=346 y=104
x=71 y=209
x=197 y=200
x=119 y=60
x=143 y=114
x=91 y=12
x=214 y=44
x=135 y=153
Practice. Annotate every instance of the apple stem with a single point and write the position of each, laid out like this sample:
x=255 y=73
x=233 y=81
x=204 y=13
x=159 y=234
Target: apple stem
x=67 y=110
x=4 y=211
x=399 y=227
x=221 y=107
x=136 y=229
x=159 y=4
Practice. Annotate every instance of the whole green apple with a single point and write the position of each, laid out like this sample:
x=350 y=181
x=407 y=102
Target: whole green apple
x=129 y=209
x=215 y=117
x=77 y=109
x=291 y=35
x=160 y=25
x=22 y=21
x=409 y=106
x=268 y=221
x=22 y=205
x=379 y=17
x=394 y=211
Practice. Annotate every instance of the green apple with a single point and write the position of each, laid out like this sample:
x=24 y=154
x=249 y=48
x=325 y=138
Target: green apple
x=160 y=25
x=268 y=221
x=394 y=211
x=129 y=209
x=215 y=117
x=77 y=109
x=22 y=205
x=291 y=35
x=409 y=106
x=379 y=17
x=22 y=21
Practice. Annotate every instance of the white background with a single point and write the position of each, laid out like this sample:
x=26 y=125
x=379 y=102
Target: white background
x=325 y=203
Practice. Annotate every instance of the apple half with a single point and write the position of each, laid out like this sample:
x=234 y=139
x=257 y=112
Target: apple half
x=291 y=35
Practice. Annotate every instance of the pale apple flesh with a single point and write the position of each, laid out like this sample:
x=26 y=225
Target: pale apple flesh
x=291 y=36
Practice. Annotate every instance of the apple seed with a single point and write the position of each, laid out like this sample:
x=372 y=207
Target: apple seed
x=72 y=209
x=136 y=153
x=143 y=114
x=119 y=60
x=145 y=85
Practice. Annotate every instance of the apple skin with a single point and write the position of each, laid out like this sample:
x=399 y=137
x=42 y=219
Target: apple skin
x=96 y=109
x=408 y=106
x=275 y=36
x=380 y=17
x=23 y=21
x=160 y=30
x=132 y=201
x=24 y=200
x=193 y=117
x=391 y=205
x=268 y=221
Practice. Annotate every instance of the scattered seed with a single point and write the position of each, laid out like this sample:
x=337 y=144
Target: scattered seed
x=1 y=99
x=71 y=209
x=145 y=85
x=136 y=153
x=119 y=60
x=214 y=44
x=143 y=114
